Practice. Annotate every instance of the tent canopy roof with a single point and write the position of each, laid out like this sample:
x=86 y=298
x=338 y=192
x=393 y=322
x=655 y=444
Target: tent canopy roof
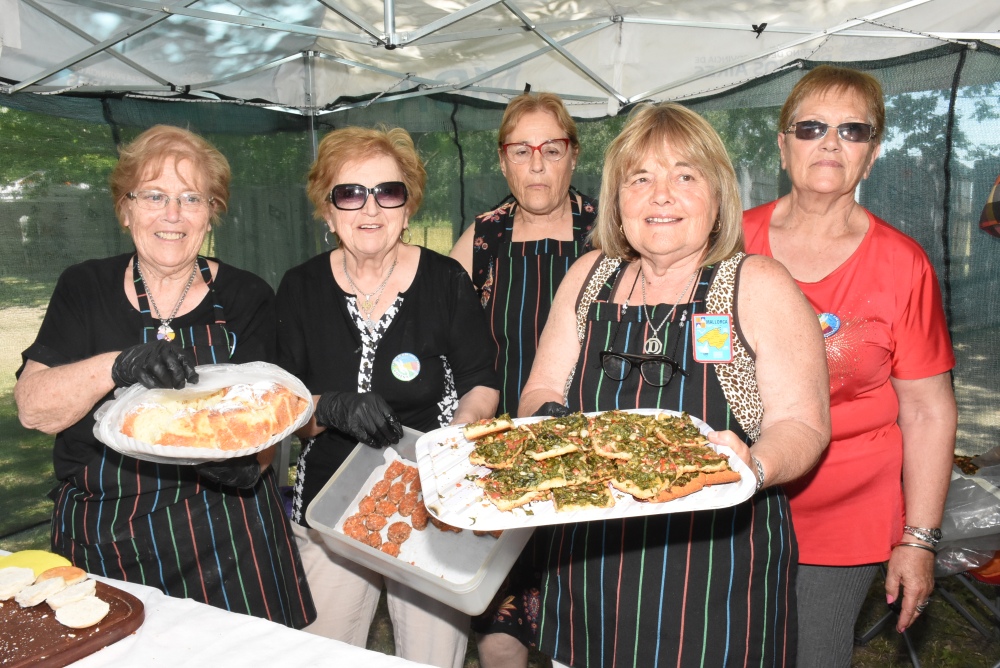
x=325 y=56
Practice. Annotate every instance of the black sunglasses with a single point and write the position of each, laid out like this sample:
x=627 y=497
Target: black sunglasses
x=810 y=130
x=353 y=196
x=657 y=370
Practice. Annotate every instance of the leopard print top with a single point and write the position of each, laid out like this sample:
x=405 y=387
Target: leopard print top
x=738 y=378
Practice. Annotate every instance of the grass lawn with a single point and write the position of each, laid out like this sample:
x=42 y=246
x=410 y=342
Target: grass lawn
x=25 y=473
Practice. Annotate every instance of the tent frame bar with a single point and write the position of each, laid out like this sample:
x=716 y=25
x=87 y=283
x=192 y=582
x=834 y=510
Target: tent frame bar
x=95 y=49
x=784 y=47
x=93 y=40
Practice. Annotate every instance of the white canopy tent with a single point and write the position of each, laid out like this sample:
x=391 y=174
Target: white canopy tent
x=317 y=57
x=263 y=79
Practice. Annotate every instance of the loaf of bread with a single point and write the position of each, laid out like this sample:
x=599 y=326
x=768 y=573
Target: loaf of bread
x=241 y=416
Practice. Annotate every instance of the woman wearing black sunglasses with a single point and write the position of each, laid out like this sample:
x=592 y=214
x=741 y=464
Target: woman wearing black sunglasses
x=670 y=314
x=385 y=334
x=892 y=406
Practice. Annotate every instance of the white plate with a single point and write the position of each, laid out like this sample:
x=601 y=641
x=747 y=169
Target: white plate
x=451 y=494
x=211 y=377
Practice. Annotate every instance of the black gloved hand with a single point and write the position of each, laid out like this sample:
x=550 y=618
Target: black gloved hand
x=239 y=472
x=154 y=364
x=552 y=409
x=366 y=417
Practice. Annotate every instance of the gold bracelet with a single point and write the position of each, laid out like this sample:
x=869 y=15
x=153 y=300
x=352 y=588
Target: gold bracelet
x=920 y=545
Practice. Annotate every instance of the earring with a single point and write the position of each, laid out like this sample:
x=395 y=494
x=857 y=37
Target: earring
x=408 y=233
x=326 y=237
x=718 y=225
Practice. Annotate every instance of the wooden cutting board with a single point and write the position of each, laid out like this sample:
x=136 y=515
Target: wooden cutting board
x=33 y=637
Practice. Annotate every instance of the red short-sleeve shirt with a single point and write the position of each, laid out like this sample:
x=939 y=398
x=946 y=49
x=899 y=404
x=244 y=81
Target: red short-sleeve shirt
x=882 y=318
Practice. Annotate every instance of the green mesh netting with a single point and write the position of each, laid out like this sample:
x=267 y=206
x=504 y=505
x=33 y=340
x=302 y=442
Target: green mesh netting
x=939 y=159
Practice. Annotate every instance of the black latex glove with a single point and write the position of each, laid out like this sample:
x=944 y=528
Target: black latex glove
x=240 y=472
x=552 y=409
x=154 y=364
x=366 y=417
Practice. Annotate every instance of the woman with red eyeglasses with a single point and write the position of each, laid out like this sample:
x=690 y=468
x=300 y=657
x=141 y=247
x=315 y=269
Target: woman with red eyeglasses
x=878 y=492
x=517 y=255
x=384 y=334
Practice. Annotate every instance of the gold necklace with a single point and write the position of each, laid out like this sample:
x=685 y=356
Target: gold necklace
x=370 y=299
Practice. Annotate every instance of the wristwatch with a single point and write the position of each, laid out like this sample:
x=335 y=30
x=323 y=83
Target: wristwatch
x=932 y=536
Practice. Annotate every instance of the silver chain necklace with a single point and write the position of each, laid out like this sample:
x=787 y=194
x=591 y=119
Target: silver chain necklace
x=370 y=299
x=165 y=331
x=653 y=345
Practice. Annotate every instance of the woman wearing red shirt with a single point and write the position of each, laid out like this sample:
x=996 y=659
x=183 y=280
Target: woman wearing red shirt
x=878 y=492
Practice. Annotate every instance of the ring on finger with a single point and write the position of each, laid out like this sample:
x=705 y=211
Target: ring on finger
x=923 y=606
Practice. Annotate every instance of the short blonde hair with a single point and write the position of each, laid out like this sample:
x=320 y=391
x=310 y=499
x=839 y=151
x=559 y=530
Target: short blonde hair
x=352 y=144
x=827 y=78
x=656 y=126
x=143 y=159
x=530 y=102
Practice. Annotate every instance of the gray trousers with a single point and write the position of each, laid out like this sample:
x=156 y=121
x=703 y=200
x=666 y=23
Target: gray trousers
x=829 y=600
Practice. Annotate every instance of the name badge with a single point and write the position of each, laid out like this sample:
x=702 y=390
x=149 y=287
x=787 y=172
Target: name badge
x=405 y=366
x=713 y=338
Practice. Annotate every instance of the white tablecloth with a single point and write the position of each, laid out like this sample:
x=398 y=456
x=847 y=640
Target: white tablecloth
x=182 y=632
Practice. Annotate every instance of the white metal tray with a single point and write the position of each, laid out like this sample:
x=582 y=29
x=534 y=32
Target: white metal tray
x=462 y=570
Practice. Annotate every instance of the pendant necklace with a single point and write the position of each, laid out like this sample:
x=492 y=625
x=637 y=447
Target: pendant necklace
x=370 y=299
x=165 y=331
x=653 y=345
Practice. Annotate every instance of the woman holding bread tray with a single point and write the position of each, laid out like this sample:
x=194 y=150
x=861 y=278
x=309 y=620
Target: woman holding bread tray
x=384 y=334
x=215 y=532
x=670 y=314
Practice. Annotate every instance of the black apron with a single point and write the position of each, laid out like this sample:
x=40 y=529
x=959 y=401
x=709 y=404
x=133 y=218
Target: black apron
x=709 y=588
x=165 y=527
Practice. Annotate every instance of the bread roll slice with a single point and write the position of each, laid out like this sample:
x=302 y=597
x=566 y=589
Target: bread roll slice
x=13 y=579
x=72 y=593
x=34 y=594
x=83 y=613
x=71 y=575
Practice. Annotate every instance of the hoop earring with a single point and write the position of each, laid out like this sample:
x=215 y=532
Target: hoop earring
x=409 y=236
x=718 y=225
x=326 y=237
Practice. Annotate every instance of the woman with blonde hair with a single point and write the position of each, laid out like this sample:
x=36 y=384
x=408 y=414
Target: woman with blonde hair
x=714 y=587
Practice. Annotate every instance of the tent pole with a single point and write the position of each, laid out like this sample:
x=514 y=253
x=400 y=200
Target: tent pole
x=310 y=83
x=389 y=13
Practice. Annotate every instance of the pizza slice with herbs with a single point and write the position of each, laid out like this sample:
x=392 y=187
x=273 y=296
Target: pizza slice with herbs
x=678 y=430
x=582 y=497
x=502 y=450
x=612 y=434
x=526 y=475
x=486 y=426
x=559 y=436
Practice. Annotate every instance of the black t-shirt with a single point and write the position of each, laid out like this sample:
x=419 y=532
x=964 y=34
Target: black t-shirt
x=89 y=314
x=319 y=343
